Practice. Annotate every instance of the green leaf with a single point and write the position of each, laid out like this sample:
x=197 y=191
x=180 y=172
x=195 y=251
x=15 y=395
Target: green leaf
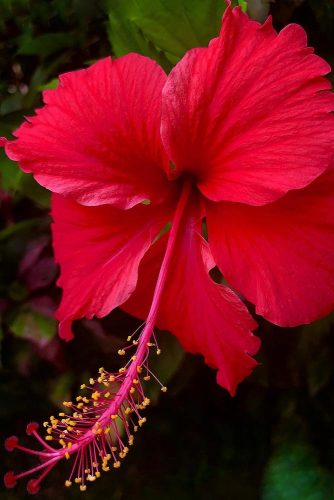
x=44 y=45
x=20 y=227
x=52 y=84
x=164 y=29
x=16 y=182
x=35 y=192
x=11 y=175
x=293 y=473
x=243 y=5
x=294 y=470
x=33 y=326
x=11 y=104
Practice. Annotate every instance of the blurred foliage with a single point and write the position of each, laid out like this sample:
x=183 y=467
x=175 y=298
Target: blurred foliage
x=164 y=29
x=275 y=439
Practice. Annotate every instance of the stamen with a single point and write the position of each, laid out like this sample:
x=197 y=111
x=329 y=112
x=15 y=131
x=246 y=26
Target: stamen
x=97 y=427
x=94 y=426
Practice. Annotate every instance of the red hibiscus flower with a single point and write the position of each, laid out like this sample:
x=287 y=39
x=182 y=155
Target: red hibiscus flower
x=239 y=139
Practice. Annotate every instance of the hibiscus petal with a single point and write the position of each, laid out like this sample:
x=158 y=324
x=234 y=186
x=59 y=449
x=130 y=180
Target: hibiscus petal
x=249 y=116
x=207 y=318
x=97 y=138
x=280 y=256
x=99 y=250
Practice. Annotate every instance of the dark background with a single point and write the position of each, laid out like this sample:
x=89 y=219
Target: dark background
x=275 y=439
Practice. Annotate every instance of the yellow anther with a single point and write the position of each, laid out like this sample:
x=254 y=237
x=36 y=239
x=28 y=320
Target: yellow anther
x=91 y=381
x=122 y=370
x=80 y=405
x=45 y=424
x=129 y=338
x=107 y=430
x=132 y=390
x=95 y=464
x=101 y=369
x=49 y=430
x=142 y=421
x=95 y=395
x=128 y=410
x=68 y=483
x=67 y=455
x=139 y=369
x=135 y=428
x=149 y=344
x=122 y=455
x=147 y=377
x=97 y=474
x=107 y=394
x=48 y=438
x=158 y=352
x=135 y=342
x=91 y=478
x=121 y=352
x=69 y=444
x=135 y=381
x=113 y=448
x=105 y=468
x=83 y=487
x=111 y=378
x=164 y=389
x=113 y=417
x=77 y=480
x=125 y=450
x=83 y=386
x=131 y=439
x=78 y=398
x=85 y=400
x=62 y=414
x=69 y=428
x=146 y=401
x=117 y=465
